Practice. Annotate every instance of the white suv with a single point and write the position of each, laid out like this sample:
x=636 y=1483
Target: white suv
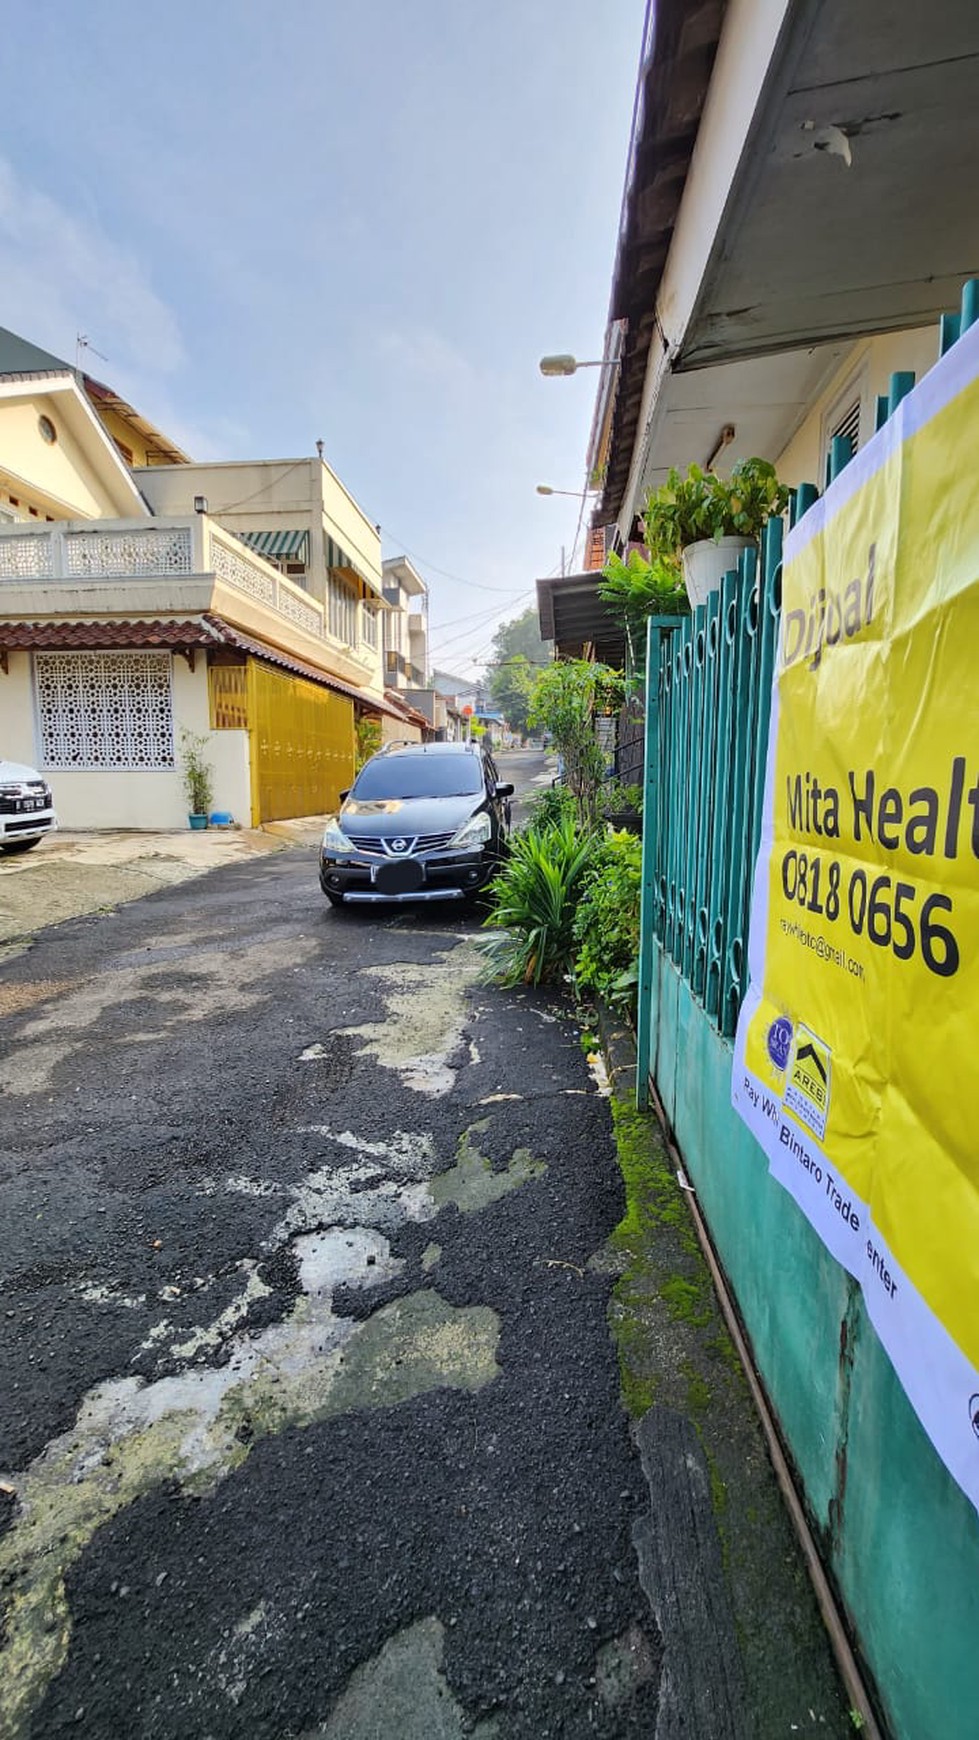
x=26 y=807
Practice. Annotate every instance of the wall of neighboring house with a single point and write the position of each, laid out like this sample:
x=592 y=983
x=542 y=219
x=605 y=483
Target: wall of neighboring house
x=148 y=797
x=865 y=373
x=131 y=442
x=56 y=476
x=397 y=731
x=292 y=495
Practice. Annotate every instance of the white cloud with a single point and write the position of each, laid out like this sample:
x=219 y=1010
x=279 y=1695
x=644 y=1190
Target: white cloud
x=61 y=275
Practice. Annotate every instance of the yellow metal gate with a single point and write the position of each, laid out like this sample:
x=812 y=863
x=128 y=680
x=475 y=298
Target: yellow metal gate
x=302 y=745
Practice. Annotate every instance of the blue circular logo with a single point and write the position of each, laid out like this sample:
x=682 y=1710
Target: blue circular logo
x=779 y=1041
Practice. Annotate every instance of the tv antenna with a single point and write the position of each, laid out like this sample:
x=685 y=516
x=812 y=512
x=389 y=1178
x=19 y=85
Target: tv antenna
x=83 y=343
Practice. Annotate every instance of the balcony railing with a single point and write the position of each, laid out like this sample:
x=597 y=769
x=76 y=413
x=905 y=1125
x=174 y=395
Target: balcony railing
x=138 y=550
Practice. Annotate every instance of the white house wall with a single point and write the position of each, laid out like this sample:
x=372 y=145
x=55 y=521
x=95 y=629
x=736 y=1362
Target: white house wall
x=139 y=798
x=865 y=372
x=58 y=473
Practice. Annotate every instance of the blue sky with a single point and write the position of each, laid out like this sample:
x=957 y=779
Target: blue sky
x=361 y=220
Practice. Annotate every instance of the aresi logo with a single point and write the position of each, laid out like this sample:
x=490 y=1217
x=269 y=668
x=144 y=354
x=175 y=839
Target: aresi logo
x=831 y=617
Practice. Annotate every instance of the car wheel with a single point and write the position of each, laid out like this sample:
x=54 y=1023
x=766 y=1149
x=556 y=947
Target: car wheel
x=334 y=899
x=18 y=845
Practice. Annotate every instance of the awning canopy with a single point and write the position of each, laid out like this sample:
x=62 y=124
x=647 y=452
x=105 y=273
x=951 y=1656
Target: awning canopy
x=574 y=617
x=283 y=546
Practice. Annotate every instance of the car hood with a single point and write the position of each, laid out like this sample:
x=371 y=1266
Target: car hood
x=16 y=770
x=382 y=817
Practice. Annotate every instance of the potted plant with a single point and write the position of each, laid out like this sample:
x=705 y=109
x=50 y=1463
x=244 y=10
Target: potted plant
x=621 y=806
x=198 y=776
x=707 y=520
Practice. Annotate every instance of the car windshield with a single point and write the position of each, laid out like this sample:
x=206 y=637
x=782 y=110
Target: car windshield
x=409 y=776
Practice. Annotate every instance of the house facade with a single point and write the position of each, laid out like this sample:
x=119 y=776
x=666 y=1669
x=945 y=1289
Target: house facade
x=133 y=611
x=788 y=267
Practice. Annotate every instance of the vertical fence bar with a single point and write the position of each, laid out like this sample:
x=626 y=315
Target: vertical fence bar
x=725 y=818
x=652 y=782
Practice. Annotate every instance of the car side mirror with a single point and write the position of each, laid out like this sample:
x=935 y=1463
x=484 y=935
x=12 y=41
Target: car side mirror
x=503 y=790
x=344 y=795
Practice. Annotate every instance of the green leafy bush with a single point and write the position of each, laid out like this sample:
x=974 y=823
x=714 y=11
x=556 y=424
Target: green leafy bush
x=637 y=589
x=550 y=806
x=702 y=505
x=534 y=898
x=606 y=923
x=368 y=740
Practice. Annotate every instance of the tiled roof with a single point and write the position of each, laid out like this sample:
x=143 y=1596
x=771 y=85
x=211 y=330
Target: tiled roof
x=95 y=636
x=273 y=655
x=178 y=635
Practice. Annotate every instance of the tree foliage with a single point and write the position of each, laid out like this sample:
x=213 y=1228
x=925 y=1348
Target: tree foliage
x=567 y=698
x=511 y=685
x=518 y=654
x=520 y=637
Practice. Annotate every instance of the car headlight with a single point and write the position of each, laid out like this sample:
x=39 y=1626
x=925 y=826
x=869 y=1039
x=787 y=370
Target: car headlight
x=334 y=838
x=475 y=832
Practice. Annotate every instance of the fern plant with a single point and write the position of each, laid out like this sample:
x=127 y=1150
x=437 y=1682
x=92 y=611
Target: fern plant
x=534 y=899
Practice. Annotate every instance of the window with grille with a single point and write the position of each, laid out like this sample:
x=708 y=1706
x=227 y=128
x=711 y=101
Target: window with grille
x=369 y=620
x=342 y=610
x=104 y=709
x=228 y=690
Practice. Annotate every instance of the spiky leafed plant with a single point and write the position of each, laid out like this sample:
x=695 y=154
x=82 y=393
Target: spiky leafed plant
x=534 y=899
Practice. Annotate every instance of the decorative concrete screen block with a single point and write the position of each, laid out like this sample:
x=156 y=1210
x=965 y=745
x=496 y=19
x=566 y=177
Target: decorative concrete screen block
x=25 y=557
x=305 y=614
x=105 y=709
x=157 y=550
x=238 y=571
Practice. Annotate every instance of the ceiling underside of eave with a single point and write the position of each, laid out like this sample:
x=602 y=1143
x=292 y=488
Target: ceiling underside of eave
x=673 y=87
x=812 y=249
x=764 y=399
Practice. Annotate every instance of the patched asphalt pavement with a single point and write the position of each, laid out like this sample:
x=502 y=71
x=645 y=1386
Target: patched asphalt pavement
x=310 y=1419
x=310 y=1424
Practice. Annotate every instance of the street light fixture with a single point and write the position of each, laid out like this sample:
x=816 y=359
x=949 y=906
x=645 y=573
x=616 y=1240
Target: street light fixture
x=545 y=489
x=568 y=365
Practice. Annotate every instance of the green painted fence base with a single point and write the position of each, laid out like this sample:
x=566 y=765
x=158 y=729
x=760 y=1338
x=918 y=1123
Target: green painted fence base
x=896 y=1534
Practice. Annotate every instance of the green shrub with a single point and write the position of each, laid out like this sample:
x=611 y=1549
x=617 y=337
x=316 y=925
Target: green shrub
x=550 y=806
x=606 y=923
x=534 y=898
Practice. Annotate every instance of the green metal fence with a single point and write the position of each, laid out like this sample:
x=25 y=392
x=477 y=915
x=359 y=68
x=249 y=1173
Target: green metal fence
x=709 y=683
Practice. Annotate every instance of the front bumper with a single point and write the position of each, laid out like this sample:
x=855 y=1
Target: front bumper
x=29 y=826
x=444 y=876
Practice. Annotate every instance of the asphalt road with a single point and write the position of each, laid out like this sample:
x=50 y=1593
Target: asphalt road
x=309 y=1418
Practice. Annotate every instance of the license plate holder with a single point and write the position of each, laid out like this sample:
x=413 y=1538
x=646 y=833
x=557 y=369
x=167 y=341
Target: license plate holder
x=399 y=876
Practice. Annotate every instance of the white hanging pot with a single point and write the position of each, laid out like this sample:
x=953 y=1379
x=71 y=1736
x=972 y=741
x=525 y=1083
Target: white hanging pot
x=706 y=563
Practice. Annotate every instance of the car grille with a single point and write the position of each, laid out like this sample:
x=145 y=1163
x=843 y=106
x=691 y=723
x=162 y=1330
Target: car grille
x=382 y=847
x=17 y=795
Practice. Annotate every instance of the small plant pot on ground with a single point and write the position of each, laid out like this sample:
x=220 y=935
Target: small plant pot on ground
x=623 y=821
x=706 y=562
x=197 y=822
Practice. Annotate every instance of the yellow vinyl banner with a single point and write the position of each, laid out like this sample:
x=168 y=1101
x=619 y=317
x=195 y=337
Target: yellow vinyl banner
x=856 y=1054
